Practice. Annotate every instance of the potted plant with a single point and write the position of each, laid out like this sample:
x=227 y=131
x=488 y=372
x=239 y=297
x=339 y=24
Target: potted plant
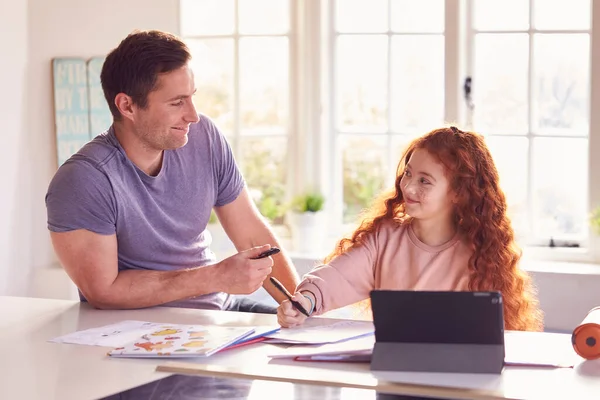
x=307 y=222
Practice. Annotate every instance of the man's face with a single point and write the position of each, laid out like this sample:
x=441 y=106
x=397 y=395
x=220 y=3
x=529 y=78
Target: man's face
x=164 y=123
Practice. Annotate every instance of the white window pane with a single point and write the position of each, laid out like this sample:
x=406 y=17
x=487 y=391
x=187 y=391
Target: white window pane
x=365 y=170
x=263 y=165
x=418 y=16
x=501 y=15
x=399 y=145
x=212 y=63
x=264 y=85
x=207 y=17
x=500 y=83
x=264 y=16
x=361 y=16
x=417 y=82
x=560 y=187
x=561 y=84
x=510 y=156
x=561 y=14
x=361 y=83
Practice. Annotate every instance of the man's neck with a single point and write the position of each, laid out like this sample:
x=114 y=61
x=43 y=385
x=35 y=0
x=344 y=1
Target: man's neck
x=144 y=157
x=434 y=232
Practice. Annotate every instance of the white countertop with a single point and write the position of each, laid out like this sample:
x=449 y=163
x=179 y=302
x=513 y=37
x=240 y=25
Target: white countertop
x=33 y=368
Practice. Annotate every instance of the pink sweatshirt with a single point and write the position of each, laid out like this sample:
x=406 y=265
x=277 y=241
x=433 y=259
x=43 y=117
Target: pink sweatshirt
x=391 y=258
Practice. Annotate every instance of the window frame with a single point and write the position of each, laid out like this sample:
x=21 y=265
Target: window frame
x=532 y=240
x=235 y=137
x=313 y=159
x=459 y=36
x=455 y=108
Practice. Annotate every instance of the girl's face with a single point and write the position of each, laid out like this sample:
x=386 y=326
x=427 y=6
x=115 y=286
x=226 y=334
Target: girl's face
x=425 y=188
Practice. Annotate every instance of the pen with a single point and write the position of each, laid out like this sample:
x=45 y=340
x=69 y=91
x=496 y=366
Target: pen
x=287 y=294
x=270 y=252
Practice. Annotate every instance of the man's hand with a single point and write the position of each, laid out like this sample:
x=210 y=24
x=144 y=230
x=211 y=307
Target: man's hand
x=243 y=273
x=254 y=231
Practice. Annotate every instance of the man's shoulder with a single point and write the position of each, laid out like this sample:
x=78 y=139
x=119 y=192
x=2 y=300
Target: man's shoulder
x=88 y=162
x=204 y=129
x=98 y=151
x=205 y=139
x=204 y=123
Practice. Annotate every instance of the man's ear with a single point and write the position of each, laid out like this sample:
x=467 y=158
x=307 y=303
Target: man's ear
x=125 y=105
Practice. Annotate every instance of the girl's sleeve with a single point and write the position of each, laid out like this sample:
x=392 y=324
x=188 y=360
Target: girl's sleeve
x=347 y=279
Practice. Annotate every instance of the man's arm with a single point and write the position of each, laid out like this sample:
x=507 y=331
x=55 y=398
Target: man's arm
x=90 y=259
x=253 y=231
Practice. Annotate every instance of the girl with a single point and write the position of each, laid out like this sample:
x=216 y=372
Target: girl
x=443 y=227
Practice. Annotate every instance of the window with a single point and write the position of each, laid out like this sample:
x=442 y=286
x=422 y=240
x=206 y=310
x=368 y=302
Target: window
x=240 y=51
x=529 y=61
x=531 y=76
x=327 y=94
x=387 y=89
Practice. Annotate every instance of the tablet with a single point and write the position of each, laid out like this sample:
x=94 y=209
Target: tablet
x=438 y=331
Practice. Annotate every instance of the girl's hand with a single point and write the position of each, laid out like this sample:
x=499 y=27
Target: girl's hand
x=288 y=316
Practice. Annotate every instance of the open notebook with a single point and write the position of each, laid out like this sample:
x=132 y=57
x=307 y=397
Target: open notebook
x=183 y=341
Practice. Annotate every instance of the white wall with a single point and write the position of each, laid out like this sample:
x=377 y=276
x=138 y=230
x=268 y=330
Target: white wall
x=567 y=297
x=14 y=200
x=33 y=33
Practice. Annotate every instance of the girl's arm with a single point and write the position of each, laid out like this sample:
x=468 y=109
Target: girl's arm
x=347 y=279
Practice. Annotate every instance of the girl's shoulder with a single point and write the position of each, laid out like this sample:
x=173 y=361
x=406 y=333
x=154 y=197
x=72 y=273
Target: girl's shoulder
x=392 y=228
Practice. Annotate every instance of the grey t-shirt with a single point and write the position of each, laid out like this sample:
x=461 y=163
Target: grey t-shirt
x=160 y=221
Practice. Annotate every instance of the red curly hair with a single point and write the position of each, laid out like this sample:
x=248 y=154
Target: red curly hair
x=480 y=215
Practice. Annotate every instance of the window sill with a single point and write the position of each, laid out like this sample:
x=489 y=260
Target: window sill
x=558 y=254
x=561 y=260
x=561 y=267
x=571 y=261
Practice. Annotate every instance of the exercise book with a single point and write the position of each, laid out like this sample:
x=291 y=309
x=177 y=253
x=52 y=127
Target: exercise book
x=182 y=341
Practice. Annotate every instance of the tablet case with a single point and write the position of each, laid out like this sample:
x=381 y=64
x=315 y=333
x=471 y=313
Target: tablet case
x=424 y=331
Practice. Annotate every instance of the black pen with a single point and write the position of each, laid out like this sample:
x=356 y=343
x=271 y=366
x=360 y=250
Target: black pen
x=270 y=252
x=287 y=294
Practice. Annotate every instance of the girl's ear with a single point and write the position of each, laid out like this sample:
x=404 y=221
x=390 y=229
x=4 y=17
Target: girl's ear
x=453 y=197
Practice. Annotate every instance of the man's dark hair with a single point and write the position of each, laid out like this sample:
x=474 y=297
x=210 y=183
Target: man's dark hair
x=133 y=67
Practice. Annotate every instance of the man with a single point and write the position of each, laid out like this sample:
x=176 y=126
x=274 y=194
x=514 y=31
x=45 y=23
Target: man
x=128 y=212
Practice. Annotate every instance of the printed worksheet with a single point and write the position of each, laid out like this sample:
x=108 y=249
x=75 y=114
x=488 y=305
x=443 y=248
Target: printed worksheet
x=321 y=334
x=113 y=335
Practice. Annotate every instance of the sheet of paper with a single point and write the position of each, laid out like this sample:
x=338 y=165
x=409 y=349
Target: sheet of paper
x=259 y=331
x=539 y=349
x=346 y=358
x=357 y=346
x=321 y=334
x=113 y=335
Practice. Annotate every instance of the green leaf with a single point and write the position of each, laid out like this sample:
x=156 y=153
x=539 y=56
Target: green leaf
x=311 y=202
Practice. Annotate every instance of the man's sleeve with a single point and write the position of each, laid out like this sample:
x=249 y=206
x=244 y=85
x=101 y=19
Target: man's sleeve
x=230 y=181
x=80 y=197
